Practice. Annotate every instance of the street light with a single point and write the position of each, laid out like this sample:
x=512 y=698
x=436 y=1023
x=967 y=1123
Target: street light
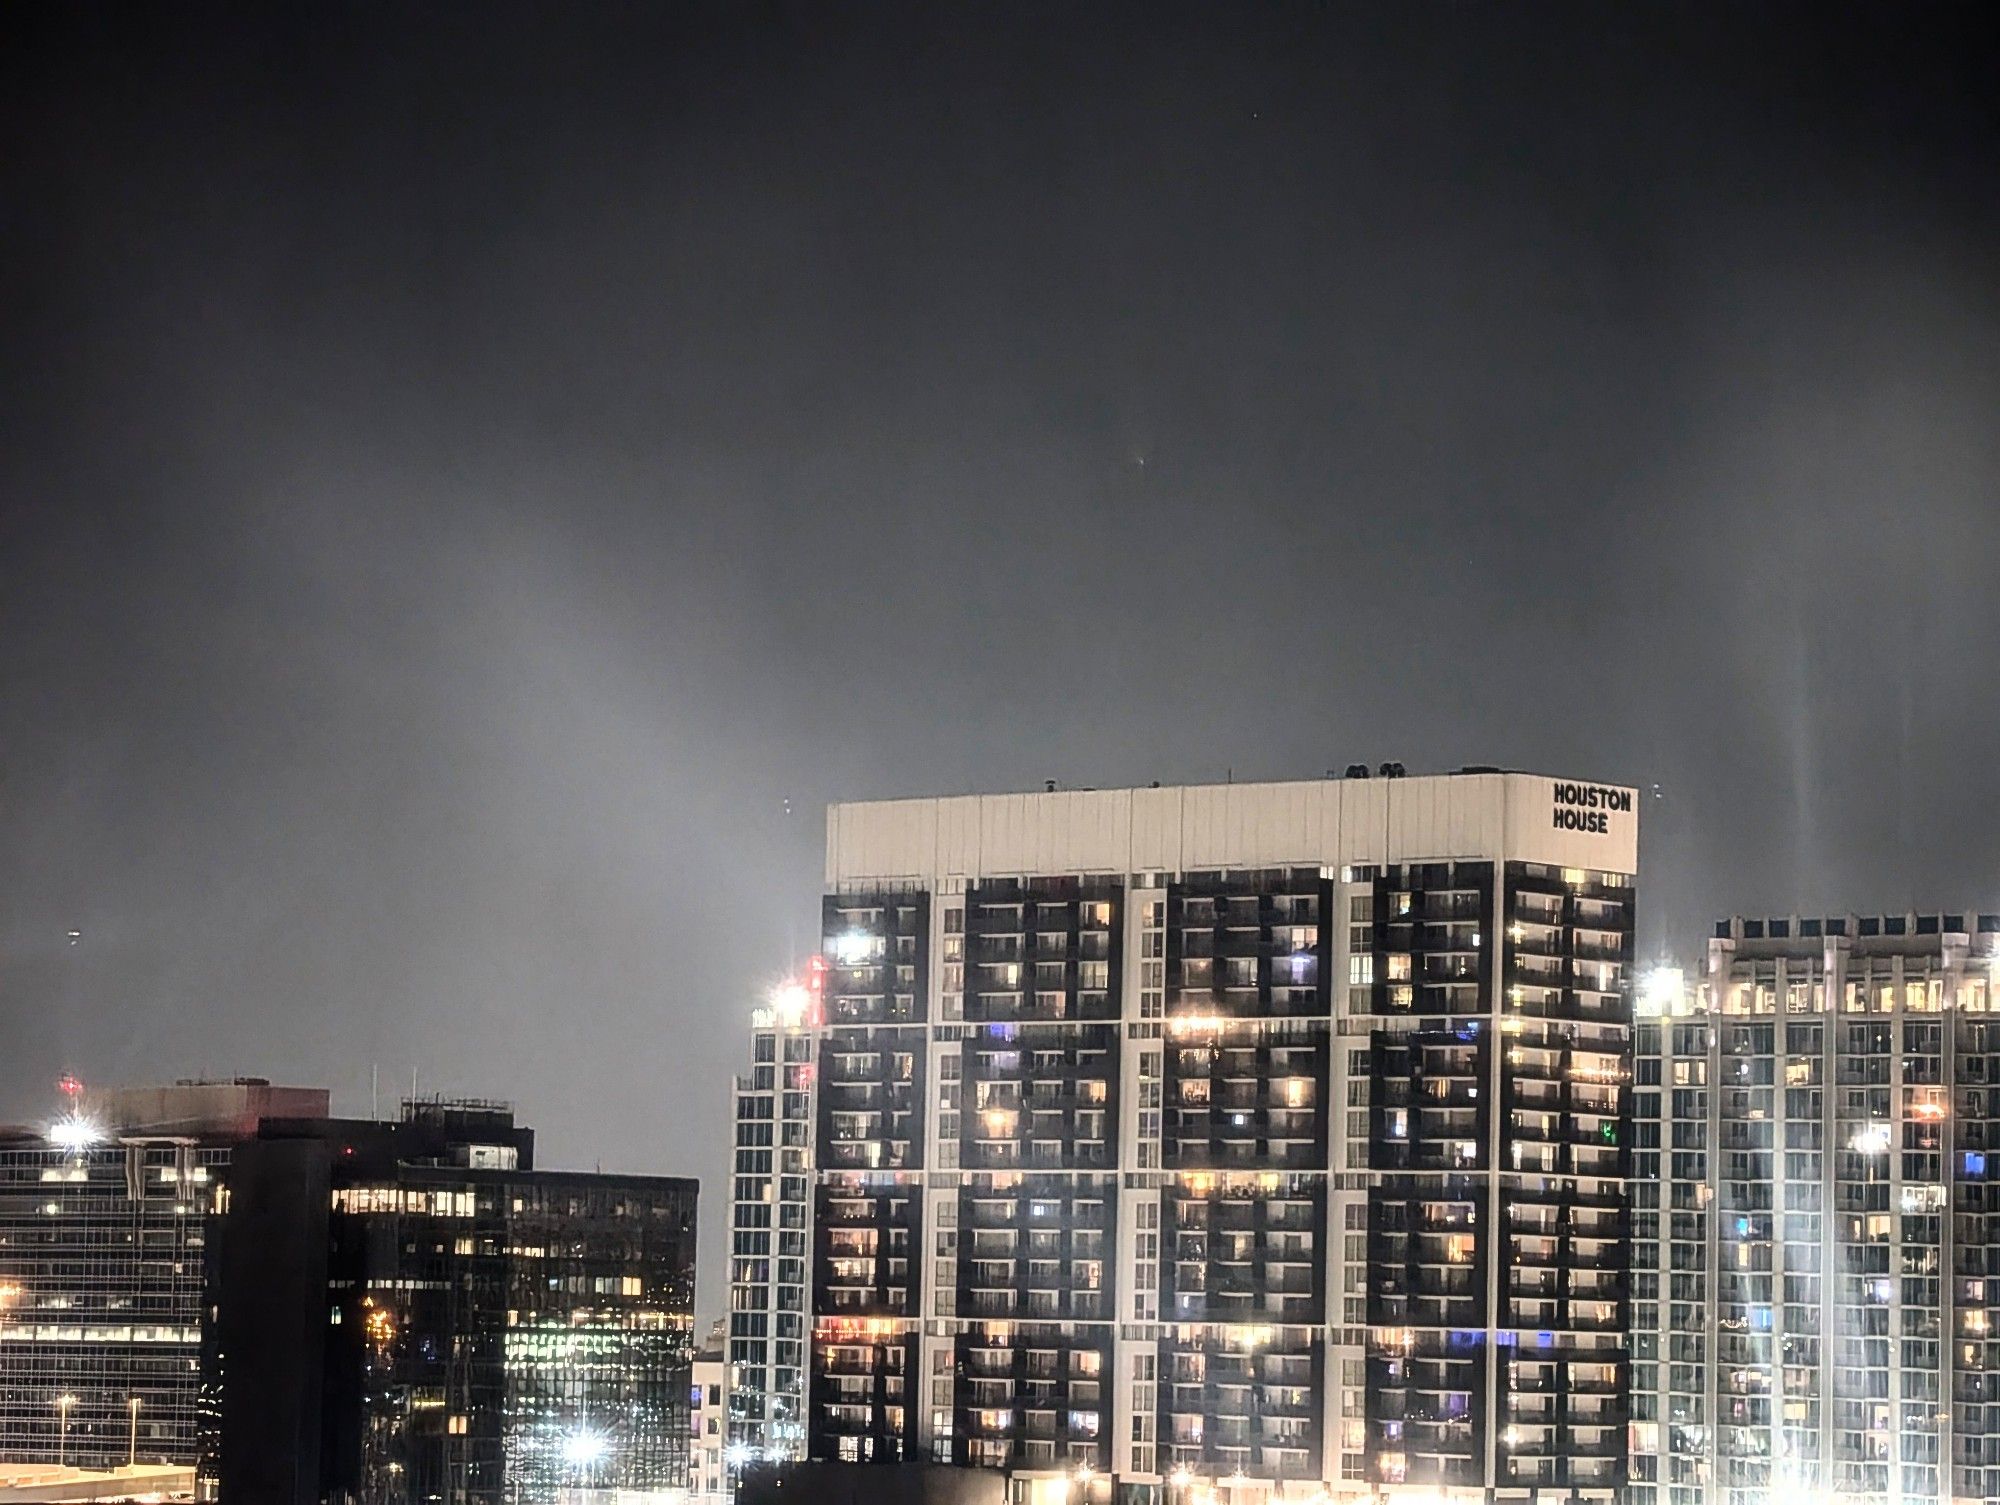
x=132 y=1441
x=63 y=1404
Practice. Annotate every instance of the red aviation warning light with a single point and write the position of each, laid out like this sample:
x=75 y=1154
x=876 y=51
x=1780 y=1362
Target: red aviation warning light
x=70 y=1086
x=816 y=989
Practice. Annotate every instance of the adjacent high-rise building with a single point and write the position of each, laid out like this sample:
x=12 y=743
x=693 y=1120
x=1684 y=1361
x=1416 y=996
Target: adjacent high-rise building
x=1256 y=1139
x=411 y=1312
x=1817 y=1234
x=770 y=1218
x=105 y=1216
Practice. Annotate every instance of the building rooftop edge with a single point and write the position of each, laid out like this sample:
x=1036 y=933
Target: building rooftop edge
x=1475 y=771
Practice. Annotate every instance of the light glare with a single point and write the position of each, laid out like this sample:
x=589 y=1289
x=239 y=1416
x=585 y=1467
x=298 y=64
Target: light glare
x=1870 y=1139
x=853 y=948
x=74 y=1133
x=1660 y=991
x=584 y=1447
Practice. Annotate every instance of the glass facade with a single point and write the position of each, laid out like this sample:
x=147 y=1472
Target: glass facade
x=108 y=1216
x=483 y=1332
x=101 y=1251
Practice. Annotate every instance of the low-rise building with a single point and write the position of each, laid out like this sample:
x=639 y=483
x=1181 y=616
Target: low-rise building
x=708 y=1421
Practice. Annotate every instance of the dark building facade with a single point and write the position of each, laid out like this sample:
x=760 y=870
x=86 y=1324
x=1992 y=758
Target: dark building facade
x=412 y=1312
x=1266 y=1141
x=106 y=1212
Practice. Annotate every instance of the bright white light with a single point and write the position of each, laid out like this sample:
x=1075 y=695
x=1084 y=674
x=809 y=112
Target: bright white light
x=74 y=1133
x=853 y=948
x=1870 y=1139
x=738 y=1453
x=1660 y=991
x=584 y=1447
x=1181 y=1477
x=790 y=999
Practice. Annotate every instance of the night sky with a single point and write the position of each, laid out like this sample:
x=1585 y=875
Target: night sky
x=464 y=469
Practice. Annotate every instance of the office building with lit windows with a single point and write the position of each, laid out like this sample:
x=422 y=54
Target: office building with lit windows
x=770 y=1231
x=1255 y=1140
x=411 y=1312
x=1816 y=1233
x=106 y=1211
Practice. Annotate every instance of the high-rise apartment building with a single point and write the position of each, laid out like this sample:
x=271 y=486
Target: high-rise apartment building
x=1817 y=1236
x=770 y=1221
x=105 y=1216
x=1255 y=1139
x=412 y=1312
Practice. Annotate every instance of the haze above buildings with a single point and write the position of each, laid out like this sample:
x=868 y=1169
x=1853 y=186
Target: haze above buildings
x=464 y=474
